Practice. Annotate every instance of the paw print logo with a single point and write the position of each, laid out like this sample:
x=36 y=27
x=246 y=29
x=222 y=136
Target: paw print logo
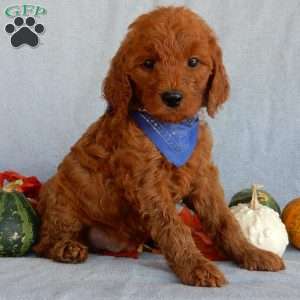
x=24 y=33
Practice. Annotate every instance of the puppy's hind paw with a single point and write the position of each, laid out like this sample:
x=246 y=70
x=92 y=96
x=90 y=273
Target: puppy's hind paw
x=69 y=251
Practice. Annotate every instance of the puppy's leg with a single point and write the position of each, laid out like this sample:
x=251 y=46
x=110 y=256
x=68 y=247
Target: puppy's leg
x=175 y=240
x=208 y=200
x=59 y=233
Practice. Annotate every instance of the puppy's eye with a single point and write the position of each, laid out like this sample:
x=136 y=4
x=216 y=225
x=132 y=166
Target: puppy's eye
x=193 y=62
x=149 y=64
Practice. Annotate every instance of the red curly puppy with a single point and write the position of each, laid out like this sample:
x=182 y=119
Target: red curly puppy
x=116 y=187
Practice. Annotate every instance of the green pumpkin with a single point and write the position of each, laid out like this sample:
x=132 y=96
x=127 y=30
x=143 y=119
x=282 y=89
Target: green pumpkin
x=18 y=224
x=264 y=198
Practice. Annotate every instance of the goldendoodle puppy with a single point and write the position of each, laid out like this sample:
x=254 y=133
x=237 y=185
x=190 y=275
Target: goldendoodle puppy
x=120 y=182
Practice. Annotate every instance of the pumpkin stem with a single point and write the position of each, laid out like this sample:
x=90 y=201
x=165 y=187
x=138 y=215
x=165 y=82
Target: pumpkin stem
x=254 y=201
x=13 y=186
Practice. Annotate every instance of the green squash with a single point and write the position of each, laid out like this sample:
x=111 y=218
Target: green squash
x=264 y=198
x=18 y=224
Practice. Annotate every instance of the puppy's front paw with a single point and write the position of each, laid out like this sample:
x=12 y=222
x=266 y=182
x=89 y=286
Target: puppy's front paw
x=204 y=273
x=262 y=260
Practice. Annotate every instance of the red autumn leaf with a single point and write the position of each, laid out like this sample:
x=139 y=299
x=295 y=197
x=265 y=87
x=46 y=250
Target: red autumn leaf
x=29 y=186
x=131 y=254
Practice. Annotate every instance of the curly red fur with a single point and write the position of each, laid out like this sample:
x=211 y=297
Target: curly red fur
x=114 y=189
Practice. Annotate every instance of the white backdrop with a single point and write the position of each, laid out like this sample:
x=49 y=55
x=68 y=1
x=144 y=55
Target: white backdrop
x=50 y=94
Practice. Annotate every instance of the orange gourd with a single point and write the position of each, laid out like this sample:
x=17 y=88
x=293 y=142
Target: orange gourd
x=291 y=219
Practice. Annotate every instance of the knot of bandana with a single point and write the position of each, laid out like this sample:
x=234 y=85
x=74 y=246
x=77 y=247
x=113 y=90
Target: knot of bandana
x=176 y=141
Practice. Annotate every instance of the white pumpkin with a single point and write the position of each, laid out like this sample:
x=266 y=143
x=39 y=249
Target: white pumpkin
x=261 y=225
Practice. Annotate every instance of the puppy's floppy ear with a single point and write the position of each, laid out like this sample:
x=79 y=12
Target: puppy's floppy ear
x=218 y=83
x=116 y=86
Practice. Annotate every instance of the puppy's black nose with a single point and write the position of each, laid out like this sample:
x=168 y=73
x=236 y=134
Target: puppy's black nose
x=172 y=98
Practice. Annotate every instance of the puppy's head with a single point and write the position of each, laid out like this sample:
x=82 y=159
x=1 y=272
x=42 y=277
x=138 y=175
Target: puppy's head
x=169 y=64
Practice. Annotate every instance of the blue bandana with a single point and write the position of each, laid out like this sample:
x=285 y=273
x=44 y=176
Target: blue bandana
x=176 y=141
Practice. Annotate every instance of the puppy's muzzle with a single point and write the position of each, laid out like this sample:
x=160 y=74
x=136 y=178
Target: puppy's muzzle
x=172 y=98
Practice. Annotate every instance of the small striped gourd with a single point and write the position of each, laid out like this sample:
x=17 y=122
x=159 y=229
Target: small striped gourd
x=18 y=224
x=264 y=198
